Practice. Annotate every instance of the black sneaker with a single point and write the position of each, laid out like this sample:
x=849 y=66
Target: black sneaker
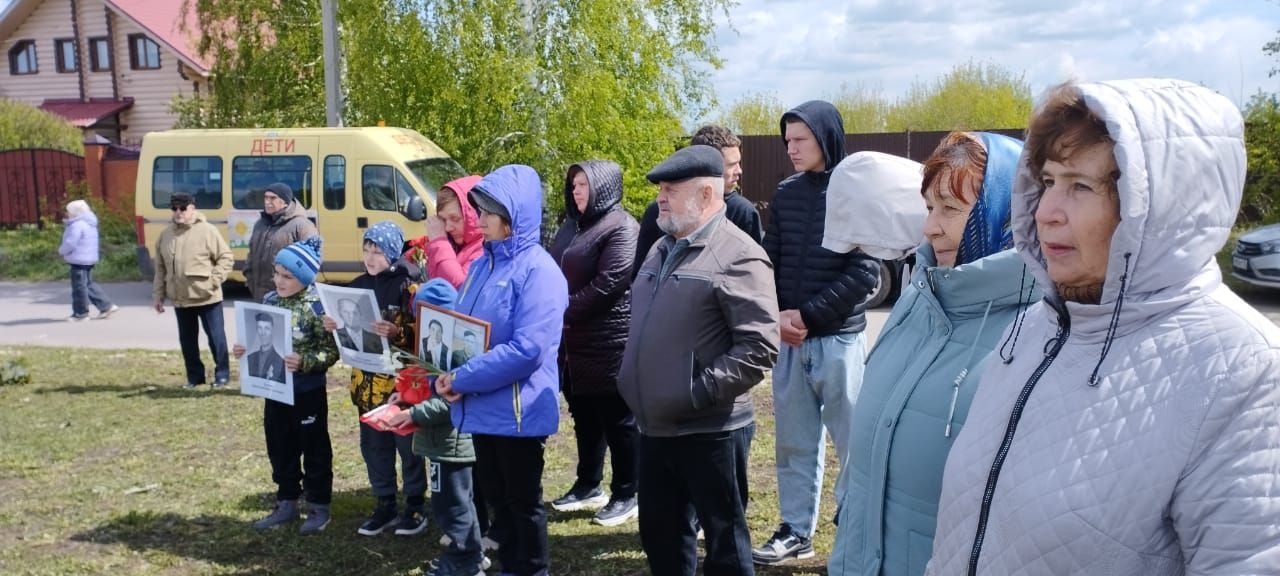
x=617 y=512
x=191 y=385
x=578 y=499
x=219 y=383
x=784 y=545
x=383 y=517
x=413 y=521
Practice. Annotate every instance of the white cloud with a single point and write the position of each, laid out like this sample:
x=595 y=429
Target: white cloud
x=802 y=49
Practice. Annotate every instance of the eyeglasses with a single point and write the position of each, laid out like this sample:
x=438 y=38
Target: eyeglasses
x=177 y=209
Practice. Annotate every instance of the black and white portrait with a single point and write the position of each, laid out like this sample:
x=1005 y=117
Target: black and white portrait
x=266 y=332
x=355 y=310
x=265 y=360
x=434 y=347
x=448 y=339
x=466 y=344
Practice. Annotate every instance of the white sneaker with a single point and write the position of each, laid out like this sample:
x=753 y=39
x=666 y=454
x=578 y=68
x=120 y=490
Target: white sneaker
x=107 y=313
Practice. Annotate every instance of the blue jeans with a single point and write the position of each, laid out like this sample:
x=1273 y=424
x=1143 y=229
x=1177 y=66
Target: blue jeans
x=189 y=321
x=455 y=511
x=815 y=384
x=379 y=450
x=84 y=290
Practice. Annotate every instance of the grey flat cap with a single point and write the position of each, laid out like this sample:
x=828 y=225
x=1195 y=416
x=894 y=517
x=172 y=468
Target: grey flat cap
x=689 y=162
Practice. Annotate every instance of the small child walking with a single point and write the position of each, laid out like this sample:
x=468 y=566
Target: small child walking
x=298 y=436
x=451 y=459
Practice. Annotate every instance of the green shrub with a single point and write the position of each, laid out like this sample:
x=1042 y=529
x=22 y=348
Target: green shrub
x=25 y=126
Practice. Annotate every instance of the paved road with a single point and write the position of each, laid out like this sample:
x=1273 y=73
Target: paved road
x=35 y=314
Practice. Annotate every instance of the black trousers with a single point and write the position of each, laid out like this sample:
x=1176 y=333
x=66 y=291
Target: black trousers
x=511 y=470
x=189 y=321
x=600 y=422
x=702 y=470
x=298 y=446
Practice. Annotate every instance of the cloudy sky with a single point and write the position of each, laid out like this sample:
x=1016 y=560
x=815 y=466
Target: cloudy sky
x=802 y=49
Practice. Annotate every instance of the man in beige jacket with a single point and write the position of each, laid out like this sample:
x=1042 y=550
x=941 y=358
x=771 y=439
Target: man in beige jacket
x=192 y=260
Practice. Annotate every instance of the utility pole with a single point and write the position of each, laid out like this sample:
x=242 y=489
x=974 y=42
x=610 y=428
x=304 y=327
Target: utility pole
x=332 y=63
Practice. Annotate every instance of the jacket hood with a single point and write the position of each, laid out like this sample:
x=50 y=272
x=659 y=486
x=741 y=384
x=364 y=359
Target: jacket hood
x=1180 y=150
x=605 y=181
x=987 y=231
x=518 y=189
x=470 y=220
x=88 y=218
x=967 y=288
x=826 y=124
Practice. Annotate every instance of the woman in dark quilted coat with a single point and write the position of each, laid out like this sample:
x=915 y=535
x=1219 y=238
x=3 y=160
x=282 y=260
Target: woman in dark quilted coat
x=596 y=251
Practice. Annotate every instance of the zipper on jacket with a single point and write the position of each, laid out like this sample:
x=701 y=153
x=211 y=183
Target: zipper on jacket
x=984 y=513
x=515 y=404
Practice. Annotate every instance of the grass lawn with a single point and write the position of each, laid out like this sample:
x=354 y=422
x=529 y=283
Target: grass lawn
x=108 y=466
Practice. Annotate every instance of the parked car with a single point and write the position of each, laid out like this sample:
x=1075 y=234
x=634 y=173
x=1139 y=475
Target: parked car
x=1256 y=259
x=893 y=275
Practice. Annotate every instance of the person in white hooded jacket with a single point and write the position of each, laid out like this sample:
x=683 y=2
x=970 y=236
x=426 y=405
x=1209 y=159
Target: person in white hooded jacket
x=1134 y=427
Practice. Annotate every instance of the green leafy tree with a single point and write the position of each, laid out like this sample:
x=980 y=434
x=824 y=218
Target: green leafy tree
x=1262 y=146
x=25 y=126
x=755 y=114
x=970 y=97
x=540 y=82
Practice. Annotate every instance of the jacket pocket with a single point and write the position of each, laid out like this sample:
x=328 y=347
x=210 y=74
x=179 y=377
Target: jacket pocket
x=199 y=287
x=672 y=398
x=700 y=396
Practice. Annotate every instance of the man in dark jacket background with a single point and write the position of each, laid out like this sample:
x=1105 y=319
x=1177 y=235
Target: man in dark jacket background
x=737 y=208
x=821 y=295
x=595 y=249
x=283 y=222
x=704 y=330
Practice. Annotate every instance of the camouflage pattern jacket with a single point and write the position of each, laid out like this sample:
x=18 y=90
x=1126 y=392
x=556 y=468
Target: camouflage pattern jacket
x=317 y=347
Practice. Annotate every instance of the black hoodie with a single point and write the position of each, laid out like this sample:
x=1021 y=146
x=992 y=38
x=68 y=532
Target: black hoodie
x=828 y=288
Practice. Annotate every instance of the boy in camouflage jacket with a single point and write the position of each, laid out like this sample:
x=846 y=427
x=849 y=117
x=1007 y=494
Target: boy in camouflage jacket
x=298 y=436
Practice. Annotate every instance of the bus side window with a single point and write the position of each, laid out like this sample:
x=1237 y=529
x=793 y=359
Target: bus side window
x=335 y=185
x=199 y=176
x=378 y=188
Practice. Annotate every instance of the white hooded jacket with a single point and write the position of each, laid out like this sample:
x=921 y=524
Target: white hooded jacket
x=1169 y=462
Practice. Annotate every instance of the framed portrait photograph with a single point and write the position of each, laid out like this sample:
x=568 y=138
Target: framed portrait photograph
x=355 y=310
x=448 y=339
x=266 y=332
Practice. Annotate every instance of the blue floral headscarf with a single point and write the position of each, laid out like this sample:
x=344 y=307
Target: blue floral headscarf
x=987 y=231
x=388 y=238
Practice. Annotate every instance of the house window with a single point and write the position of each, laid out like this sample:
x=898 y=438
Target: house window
x=250 y=176
x=199 y=176
x=22 y=58
x=144 y=53
x=66 y=51
x=99 y=54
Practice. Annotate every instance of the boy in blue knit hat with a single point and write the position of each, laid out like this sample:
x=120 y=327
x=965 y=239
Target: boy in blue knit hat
x=392 y=282
x=298 y=435
x=451 y=457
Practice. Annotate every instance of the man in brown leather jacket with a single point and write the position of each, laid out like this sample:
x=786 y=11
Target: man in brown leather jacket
x=704 y=329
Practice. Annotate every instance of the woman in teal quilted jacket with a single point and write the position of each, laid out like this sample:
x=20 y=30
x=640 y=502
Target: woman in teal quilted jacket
x=967 y=287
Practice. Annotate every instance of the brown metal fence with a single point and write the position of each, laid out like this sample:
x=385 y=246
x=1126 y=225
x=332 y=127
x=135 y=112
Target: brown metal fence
x=33 y=183
x=765 y=163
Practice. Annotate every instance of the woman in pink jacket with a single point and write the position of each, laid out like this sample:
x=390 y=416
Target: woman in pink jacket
x=453 y=237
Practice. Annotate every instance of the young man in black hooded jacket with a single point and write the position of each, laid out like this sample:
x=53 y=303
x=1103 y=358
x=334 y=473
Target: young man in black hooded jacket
x=820 y=295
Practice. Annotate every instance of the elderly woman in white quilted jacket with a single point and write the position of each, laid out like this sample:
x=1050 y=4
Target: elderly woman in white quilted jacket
x=1136 y=428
